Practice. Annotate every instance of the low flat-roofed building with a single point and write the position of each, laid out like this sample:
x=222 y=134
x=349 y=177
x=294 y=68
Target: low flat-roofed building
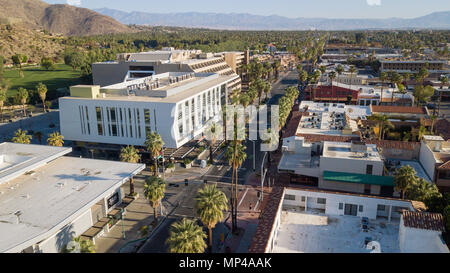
x=434 y=67
x=52 y=198
x=177 y=106
x=350 y=167
x=335 y=119
x=300 y=220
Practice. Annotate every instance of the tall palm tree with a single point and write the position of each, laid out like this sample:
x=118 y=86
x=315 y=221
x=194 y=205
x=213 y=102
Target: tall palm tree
x=433 y=119
x=396 y=79
x=404 y=177
x=332 y=76
x=383 y=124
x=154 y=145
x=276 y=67
x=383 y=79
x=21 y=137
x=55 y=139
x=444 y=81
x=22 y=97
x=154 y=190
x=339 y=70
x=266 y=89
x=186 y=237
x=131 y=155
x=42 y=91
x=236 y=156
x=212 y=141
x=210 y=203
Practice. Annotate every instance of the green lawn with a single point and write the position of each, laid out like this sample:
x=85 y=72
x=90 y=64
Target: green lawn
x=61 y=76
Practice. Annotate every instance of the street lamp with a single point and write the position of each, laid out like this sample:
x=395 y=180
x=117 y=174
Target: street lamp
x=123 y=227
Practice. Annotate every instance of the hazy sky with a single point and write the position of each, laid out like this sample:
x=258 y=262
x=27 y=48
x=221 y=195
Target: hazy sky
x=288 y=8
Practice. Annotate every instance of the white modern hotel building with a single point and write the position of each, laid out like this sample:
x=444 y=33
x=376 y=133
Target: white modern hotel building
x=177 y=105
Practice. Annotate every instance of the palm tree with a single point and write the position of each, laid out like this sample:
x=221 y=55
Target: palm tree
x=433 y=122
x=21 y=137
x=55 y=139
x=383 y=124
x=383 y=79
x=131 y=155
x=2 y=102
x=266 y=89
x=212 y=141
x=276 y=67
x=396 y=79
x=404 y=177
x=22 y=97
x=322 y=69
x=444 y=81
x=332 y=76
x=236 y=156
x=422 y=93
x=38 y=135
x=352 y=71
x=339 y=69
x=85 y=246
x=186 y=237
x=42 y=90
x=154 y=144
x=210 y=203
x=154 y=190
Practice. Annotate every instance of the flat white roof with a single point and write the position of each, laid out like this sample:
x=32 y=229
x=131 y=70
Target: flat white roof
x=35 y=206
x=343 y=150
x=17 y=159
x=314 y=232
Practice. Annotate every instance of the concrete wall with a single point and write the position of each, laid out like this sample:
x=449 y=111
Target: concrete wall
x=401 y=154
x=55 y=243
x=413 y=240
x=427 y=160
x=348 y=165
x=348 y=187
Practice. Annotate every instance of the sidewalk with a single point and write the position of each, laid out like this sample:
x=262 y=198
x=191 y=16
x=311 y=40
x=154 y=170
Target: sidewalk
x=138 y=214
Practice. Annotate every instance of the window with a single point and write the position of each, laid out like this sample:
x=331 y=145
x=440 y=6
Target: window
x=98 y=111
x=381 y=208
x=341 y=206
x=289 y=197
x=303 y=198
x=369 y=169
x=321 y=201
x=360 y=208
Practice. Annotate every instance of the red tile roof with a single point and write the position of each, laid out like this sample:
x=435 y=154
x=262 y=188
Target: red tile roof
x=442 y=127
x=291 y=128
x=266 y=223
x=424 y=220
x=399 y=109
x=390 y=144
x=445 y=166
x=319 y=138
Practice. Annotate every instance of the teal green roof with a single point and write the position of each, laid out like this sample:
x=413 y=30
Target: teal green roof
x=359 y=178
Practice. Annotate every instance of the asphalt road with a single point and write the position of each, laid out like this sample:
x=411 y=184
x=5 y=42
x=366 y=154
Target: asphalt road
x=221 y=171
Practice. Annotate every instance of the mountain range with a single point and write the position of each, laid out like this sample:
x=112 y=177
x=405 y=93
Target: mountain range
x=235 y=21
x=62 y=19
